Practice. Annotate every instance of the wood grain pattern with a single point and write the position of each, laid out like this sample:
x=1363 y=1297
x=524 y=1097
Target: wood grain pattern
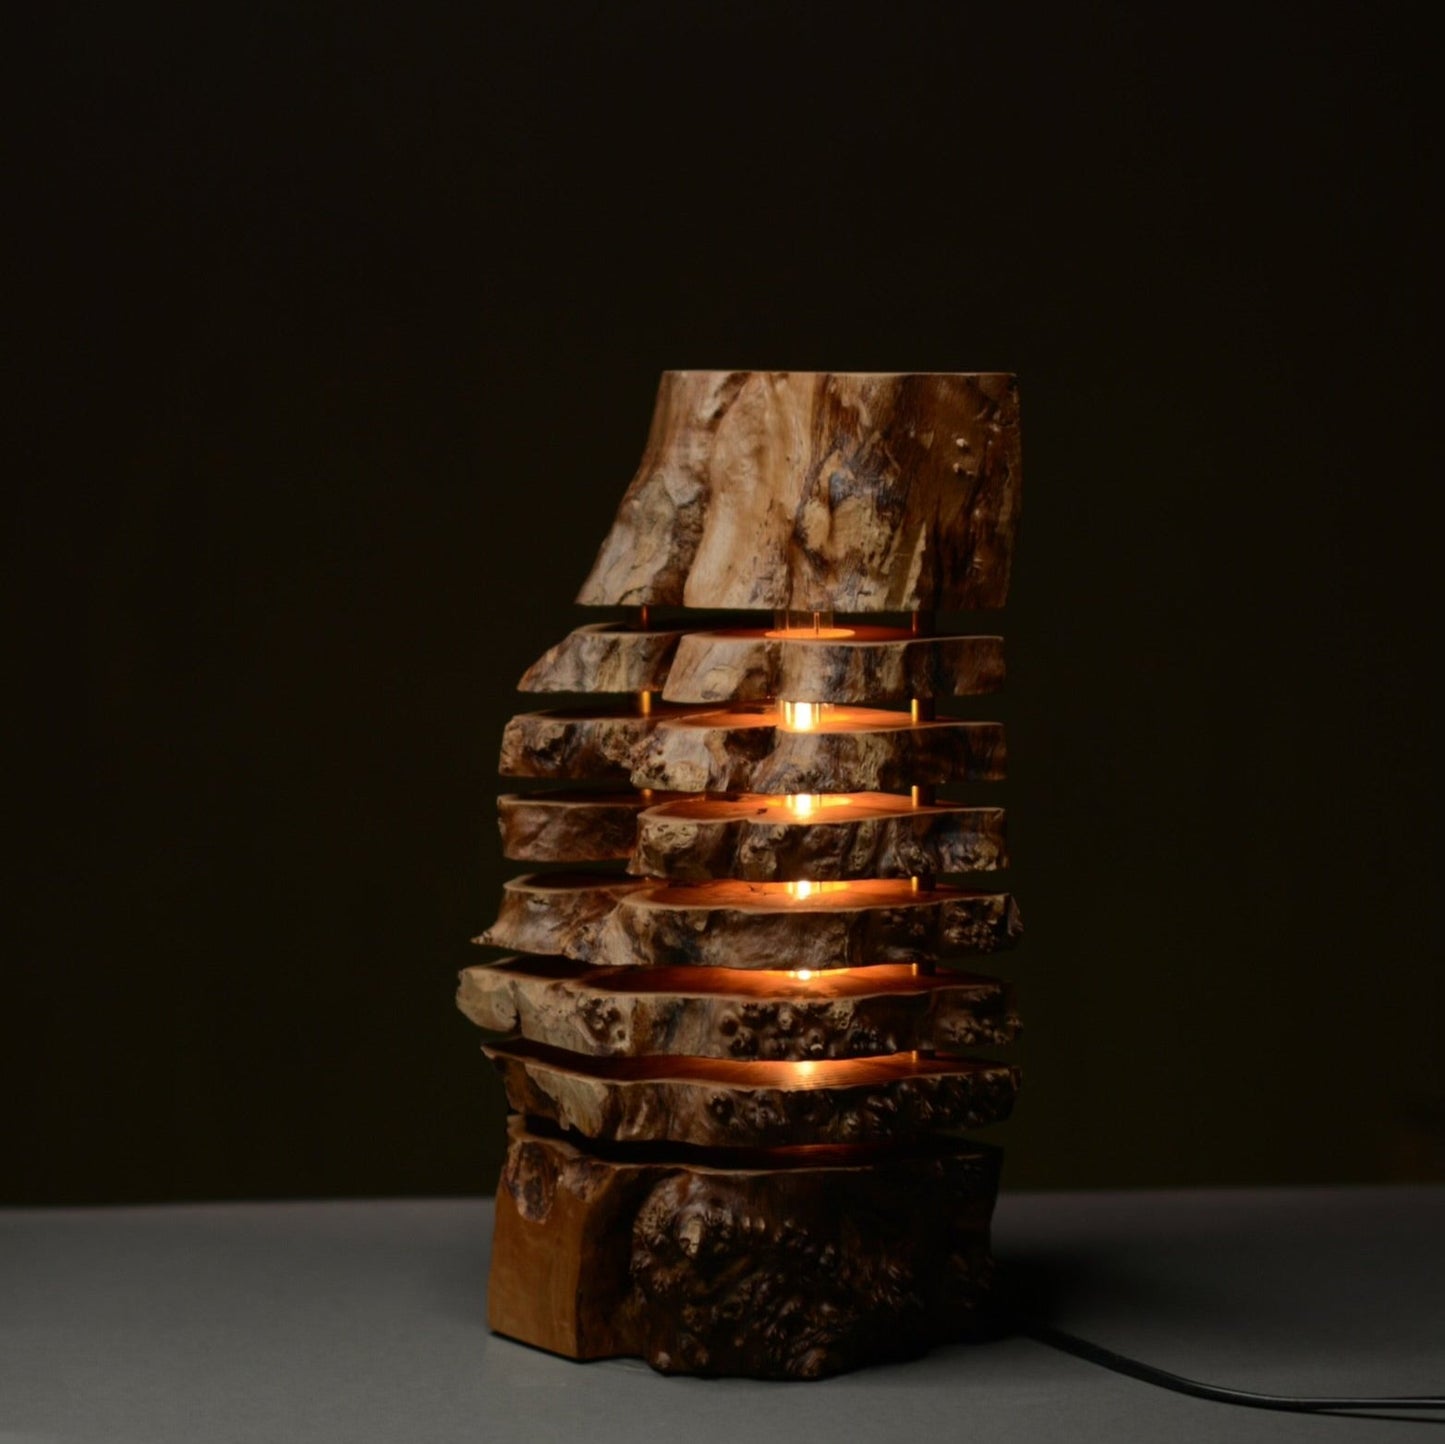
x=566 y=825
x=624 y=922
x=604 y=657
x=862 y=493
x=874 y=665
x=856 y=749
x=723 y=1103
x=578 y=744
x=752 y=1269
x=732 y=1013
x=762 y=925
x=751 y=1040
x=555 y=912
x=766 y=838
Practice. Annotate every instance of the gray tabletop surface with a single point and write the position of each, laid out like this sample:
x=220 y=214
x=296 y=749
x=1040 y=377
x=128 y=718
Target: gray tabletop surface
x=365 y=1321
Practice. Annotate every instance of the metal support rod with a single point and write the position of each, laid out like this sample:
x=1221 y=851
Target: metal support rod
x=922 y=623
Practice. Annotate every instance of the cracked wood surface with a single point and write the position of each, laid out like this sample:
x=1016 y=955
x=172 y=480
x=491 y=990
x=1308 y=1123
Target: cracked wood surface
x=856 y=492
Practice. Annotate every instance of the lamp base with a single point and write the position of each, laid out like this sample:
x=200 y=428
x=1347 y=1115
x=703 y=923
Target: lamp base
x=790 y=1263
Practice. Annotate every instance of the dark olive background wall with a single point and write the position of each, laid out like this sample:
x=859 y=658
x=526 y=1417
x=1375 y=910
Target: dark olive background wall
x=336 y=337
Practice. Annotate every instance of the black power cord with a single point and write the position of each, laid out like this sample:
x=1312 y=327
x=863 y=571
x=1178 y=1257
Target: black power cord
x=1149 y=1374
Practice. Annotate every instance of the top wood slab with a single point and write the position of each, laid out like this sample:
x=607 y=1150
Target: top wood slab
x=855 y=492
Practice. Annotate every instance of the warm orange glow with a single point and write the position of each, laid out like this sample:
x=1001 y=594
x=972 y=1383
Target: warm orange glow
x=801 y=974
x=805 y=888
x=801 y=716
x=807 y=627
x=805 y=804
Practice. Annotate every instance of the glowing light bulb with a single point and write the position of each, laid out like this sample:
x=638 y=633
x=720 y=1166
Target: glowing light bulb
x=804 y=804
x=801 y=974
x=801 y=716
x=801 y=889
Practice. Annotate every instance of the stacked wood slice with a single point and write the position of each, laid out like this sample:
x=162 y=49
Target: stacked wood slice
x=736 y=1012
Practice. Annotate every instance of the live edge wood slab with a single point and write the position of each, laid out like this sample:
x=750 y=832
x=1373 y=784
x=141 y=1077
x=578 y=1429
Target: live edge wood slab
x=757 y=836
x=873 y=664
x=734 y=1013
x=559 y=824
x=724 y=1103
x=754 y=664
x=736 y=1035
x=747 y=749
x=767 y=838
x=624 y=922
x=856 y=749
x=604 y=657
x=794 y=1264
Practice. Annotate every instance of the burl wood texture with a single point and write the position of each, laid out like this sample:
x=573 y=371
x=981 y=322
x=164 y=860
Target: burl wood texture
x=754 y=1270
x=562 y=825
x=617 y=922
x=862 y=493
x=858 y=749
x=876 y=664
x=604 y=657
x=731 y=1013
x=556 y=912
x=765 y=838
x=577 y=744
x=750 y=1040
x=761 y=925
x=725 y=1103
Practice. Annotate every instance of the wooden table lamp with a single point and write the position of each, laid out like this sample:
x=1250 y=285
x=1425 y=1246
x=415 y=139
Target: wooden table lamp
x=738 y=1069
